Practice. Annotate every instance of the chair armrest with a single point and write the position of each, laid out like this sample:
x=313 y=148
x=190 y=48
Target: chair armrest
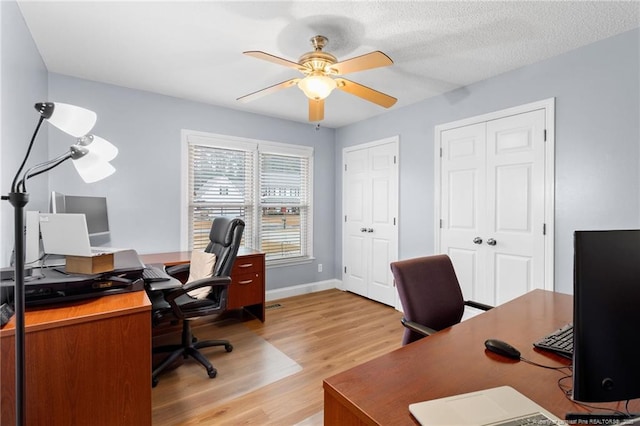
x=171 y=284
x=418 y=328
x=205 y=282
x=177 y=269
x=478 y=305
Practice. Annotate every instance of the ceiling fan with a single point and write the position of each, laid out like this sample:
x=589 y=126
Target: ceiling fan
x=319 y=67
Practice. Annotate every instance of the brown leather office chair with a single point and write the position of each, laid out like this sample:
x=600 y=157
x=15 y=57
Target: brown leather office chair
x=430 y=294
x=183 y=305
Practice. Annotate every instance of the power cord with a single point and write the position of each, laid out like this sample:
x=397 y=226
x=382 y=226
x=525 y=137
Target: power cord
x=609 y=417
x=595 y=418
x=569 y=367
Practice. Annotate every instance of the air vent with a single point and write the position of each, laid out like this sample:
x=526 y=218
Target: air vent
x=273 y=306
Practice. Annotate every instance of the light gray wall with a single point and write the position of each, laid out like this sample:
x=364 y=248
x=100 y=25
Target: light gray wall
x=597 y=91
x=23 y=79
x=143 y=195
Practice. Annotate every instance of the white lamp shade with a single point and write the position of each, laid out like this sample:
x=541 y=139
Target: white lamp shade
x=317 y=86
x=92 y=168
x=72 y=119
x=102 y=147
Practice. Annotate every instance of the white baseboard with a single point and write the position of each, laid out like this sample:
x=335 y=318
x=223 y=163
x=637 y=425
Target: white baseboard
x=297 y=290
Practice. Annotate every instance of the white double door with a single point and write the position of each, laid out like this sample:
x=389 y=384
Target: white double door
x=370 y=211
x=492 y=205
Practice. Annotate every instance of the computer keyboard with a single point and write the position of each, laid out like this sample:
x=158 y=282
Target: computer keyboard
x=153 y=274
x=559 y=341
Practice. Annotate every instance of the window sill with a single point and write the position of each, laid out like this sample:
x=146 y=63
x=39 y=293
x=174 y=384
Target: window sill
x=278 y=263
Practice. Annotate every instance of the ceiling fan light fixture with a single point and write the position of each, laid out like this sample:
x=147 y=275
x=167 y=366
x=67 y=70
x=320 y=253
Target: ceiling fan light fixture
x=317 y=87
x=318 y=68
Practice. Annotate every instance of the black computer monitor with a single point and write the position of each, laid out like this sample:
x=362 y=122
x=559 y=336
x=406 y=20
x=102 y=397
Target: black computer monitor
x=606 y=316
x=94 y=209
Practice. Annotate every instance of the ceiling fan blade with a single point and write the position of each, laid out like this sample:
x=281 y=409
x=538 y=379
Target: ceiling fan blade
x=360 y=63
x=268 y=90
x=365 y=93
x=274 y=59
x=316 y=110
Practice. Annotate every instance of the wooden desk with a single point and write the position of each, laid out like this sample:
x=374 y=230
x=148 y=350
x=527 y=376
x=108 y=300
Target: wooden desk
x=247 y=289
x=87 y=362
x=454 y=361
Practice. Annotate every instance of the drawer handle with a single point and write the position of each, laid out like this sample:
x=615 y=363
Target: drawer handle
x=245 y=282
x=245 y=265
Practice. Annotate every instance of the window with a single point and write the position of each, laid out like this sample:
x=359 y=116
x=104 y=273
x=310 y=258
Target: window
x=267 y=184
x=220 y=184
x=284 y=205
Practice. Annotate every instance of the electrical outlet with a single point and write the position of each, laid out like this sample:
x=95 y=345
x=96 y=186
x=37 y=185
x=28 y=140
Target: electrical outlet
x=319 y=267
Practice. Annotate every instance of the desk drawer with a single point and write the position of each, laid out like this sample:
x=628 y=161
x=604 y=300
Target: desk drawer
x=247 y=264
x=247 y=282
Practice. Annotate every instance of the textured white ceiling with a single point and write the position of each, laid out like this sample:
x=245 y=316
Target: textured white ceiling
x=193 y=50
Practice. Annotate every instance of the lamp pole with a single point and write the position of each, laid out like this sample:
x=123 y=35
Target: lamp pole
x=77 y=122
x=19 y=200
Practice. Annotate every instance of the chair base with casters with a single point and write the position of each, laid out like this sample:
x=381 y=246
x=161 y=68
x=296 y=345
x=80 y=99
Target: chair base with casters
x=188 y=348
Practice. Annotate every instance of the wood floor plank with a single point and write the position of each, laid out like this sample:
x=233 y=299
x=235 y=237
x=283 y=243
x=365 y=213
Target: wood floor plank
x=325 y=333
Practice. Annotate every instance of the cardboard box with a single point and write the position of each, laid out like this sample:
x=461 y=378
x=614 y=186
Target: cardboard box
x=89 y=264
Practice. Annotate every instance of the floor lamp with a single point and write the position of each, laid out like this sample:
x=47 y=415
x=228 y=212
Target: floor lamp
x=90 y=155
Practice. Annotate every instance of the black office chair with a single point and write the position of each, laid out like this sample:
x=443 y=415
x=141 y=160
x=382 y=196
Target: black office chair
x=430 y=294
x=183 y=305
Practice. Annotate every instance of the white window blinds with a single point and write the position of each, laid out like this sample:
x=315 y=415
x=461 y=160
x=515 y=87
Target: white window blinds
x=284 y=206
x=221 y=183
x=267 y=184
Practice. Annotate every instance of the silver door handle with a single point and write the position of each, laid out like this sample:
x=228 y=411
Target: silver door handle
x=491 y=242
x=477 y=240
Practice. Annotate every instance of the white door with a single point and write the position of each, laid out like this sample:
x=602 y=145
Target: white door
x=370 y=234
x=493 y=197
x=463 y=211
x=515 y=205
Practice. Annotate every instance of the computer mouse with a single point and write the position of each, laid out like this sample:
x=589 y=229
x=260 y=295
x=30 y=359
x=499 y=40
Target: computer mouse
x=502 y=348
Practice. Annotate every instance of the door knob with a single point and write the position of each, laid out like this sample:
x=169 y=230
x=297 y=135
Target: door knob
x=491 y=242
x=477 y=240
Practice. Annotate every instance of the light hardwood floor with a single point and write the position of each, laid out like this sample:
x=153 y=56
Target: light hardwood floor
x=325 y=333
